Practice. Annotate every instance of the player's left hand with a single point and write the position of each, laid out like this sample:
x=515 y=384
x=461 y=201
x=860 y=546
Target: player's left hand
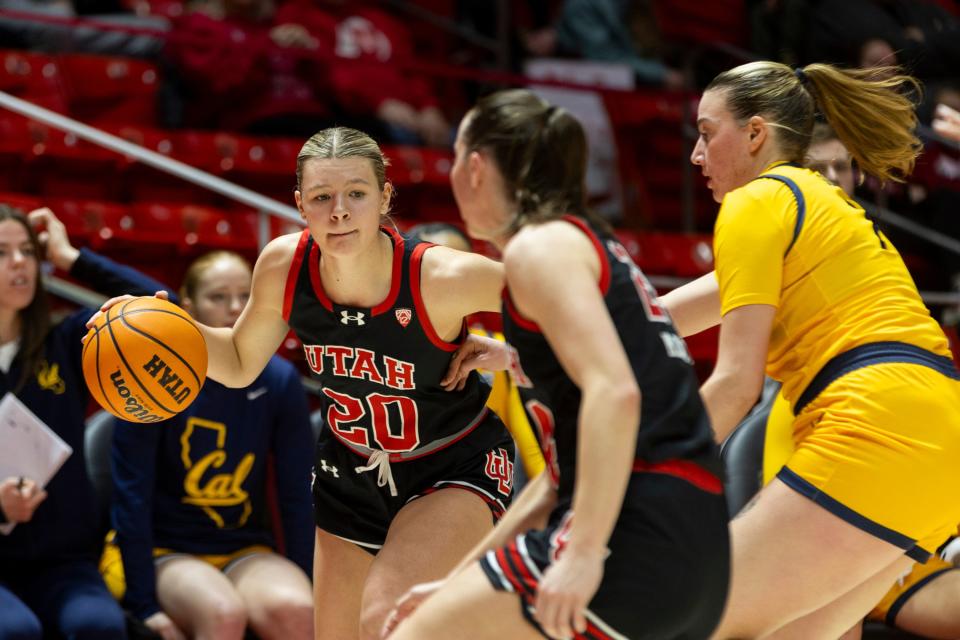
x=407 y=604
x=566 y=589
x=476 y=352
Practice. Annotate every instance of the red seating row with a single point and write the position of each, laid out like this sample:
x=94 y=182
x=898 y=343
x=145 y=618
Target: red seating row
x=43 y=160
x=94 y=89
x=683 y=255
x=149 y=229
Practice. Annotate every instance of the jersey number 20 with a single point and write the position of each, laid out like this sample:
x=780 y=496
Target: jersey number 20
x=345 y=410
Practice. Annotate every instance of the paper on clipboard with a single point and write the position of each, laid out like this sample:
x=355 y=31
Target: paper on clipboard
x=28 y=447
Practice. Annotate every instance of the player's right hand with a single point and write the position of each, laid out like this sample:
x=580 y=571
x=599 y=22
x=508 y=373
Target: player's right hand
x=160 y=623
x=407 y=604
x=163 y=295
x=476 y=352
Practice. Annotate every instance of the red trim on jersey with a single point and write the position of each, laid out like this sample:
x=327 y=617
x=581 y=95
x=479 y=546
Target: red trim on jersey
x=685 y=470
x=604 y=262
x=293 y=273
x=318 y=289
x=513 y=312
x=394 y=284
x=391 y=298
x=428 y=329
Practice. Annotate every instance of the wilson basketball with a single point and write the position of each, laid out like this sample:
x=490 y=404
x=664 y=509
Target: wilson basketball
x=145 y=360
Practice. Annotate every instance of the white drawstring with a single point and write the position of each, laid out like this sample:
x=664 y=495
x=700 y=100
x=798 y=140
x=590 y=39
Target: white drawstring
x=380 y=460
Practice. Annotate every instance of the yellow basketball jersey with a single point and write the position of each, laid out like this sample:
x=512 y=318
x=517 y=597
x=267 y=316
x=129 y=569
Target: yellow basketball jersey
x=795 y=241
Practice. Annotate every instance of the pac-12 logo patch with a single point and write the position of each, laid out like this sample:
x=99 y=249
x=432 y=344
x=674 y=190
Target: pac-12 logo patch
x=404 y=316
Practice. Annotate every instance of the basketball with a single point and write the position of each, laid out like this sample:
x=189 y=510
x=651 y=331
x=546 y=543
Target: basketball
x=144 y=360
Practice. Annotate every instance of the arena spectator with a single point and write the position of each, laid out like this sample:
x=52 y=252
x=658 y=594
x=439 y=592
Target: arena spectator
x=373 y=89
x=244 y=65
x=191 y=495
x=49 y=585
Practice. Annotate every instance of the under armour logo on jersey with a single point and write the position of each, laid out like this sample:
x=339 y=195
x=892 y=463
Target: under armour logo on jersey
x=328 y=468
x=404 y=316
x=356 y=318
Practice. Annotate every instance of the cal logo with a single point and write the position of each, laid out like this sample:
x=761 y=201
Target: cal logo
x=209 y=482
x=48 y=377
x=404 y=316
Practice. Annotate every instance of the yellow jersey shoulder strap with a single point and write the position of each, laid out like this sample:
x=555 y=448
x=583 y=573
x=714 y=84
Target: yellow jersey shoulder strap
x=801 y=204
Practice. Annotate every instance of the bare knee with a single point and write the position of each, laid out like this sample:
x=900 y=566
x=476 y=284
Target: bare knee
x=287 y=618
x=225 y=620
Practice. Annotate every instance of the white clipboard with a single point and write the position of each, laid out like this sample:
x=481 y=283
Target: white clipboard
x=28 y=447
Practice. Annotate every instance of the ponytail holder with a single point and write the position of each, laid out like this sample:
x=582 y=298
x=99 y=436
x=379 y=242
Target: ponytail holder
x=801 y=75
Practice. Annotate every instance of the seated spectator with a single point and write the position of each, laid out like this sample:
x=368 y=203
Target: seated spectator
x=374 y=90
x=49 y=585
x=242 y=65
x=919 y=34
x=827 y=155
x=599 y=30
x=191 y=493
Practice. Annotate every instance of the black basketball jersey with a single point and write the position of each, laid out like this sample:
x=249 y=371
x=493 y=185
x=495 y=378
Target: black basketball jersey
x=380 y=368
x=673 y=421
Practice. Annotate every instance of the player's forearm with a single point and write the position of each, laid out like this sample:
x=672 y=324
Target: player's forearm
x=529 y=511
x=695 y=306
x=727 y=398
x=223 y=358
x=607 y=444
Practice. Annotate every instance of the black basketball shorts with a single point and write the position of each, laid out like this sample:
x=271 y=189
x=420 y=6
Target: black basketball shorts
x=667 y=573
x=354 y=506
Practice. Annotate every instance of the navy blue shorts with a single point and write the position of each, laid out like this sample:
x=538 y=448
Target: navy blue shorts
x=667 y=573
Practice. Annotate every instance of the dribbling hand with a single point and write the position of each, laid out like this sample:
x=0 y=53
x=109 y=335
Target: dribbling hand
x=407 y=604
x=163 y=295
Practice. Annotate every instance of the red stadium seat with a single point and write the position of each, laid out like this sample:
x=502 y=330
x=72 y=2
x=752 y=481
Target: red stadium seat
x=265 y=165
x=206 y=229
x=22 y=201
x=63 y=165
x=669 y=254
x=696 y=22
x=33 y=77
x=197 y=149
x=106 y=89
x=15 y=139
x=85 y=219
